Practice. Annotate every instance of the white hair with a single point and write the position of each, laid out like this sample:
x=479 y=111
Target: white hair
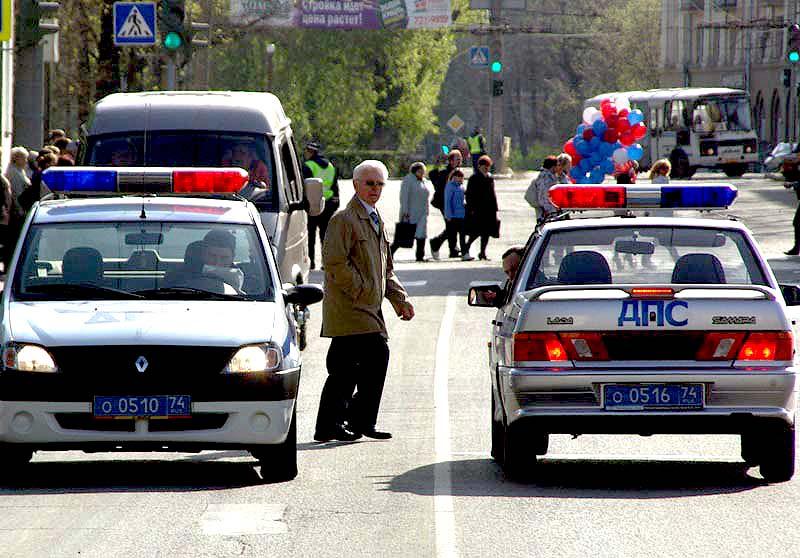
x=370 y=164
x=20 y=152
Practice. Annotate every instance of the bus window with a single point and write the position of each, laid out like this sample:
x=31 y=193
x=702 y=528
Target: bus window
x=676 y=116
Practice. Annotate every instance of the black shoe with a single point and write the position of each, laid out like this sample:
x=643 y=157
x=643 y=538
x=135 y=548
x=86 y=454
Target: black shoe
x=376 y=434
x=793 y=252
x=313 y=265
x=483 y=257
x=338 y=432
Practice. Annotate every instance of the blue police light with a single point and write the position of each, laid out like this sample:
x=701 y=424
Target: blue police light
x=80 y=180
x=690 y=197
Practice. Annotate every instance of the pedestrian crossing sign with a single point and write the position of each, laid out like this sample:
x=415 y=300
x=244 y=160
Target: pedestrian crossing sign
x=135 y=23
x=479 y=56
x=5 y=20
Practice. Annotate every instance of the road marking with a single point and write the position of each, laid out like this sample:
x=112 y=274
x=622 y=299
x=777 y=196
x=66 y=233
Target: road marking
x=414 y=283
x=442 y=483
x=243 y=519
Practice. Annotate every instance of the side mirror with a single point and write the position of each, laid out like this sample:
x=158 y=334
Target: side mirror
x=791 y=294
x=313 y=191
x=486 y=295
x=304 y=295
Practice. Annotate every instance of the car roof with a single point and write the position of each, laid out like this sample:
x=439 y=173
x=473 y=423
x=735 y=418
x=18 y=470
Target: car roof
x=222 y=111
x=634 y=222
x=129 y=208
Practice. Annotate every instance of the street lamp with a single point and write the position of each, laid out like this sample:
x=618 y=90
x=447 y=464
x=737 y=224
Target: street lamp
x=270 y=55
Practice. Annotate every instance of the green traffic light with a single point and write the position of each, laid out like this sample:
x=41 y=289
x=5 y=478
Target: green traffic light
x=172 y=41
x=497 y=66
x=794 y=57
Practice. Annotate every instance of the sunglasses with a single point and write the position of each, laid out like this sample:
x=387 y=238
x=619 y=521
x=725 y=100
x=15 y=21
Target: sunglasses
x=373 y=183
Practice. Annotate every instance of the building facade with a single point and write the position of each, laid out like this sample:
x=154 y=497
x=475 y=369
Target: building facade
x=739 y=44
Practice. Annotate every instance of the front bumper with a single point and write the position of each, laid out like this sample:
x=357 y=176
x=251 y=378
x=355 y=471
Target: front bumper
x=570 y=401
x=69 y=425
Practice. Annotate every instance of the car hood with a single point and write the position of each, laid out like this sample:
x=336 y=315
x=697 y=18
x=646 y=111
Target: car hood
x=136 y=322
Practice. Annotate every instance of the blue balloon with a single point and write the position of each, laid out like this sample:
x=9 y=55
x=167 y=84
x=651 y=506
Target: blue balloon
x=599 y=127
x=595 y=143
x=596 y=176
x=575 y=173
x=585 y=180
x=579 y=130
x=635 y=117
x=635 y=152
x=608 y=166
x=607 y=149
x=585 y=165
x=584 y=148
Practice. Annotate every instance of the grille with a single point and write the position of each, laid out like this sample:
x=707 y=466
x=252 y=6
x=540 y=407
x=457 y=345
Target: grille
x=653 y=345
x=86 y=421
x=199 y=421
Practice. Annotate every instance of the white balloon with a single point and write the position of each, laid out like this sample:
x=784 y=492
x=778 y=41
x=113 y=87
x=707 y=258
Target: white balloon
x=620 y=156
x=589 y=113
x=596 y=116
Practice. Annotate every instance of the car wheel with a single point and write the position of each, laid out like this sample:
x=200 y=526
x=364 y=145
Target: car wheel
x=680 y=165
x=751 y=448
x=734 y=171
x=497 y=435
x=13 y=458
x=777 y=458
x=279 y=462
x=519 y=460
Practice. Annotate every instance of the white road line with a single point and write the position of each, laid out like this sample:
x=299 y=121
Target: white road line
x=243 y=519
x=444 y=519
x=414 y=283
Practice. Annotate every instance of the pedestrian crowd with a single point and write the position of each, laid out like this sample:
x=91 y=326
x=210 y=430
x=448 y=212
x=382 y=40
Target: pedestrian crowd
x=22 y=184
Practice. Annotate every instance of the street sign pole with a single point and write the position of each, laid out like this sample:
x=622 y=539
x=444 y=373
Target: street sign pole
x=171 y=73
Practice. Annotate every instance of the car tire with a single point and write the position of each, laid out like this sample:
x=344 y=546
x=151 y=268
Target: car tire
x=778 y=453
x=279 y=462
x=519 y=461
x=498 y=435
x=751 y=448
x=734 y=170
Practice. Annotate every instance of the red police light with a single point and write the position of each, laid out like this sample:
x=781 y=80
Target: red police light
x=588 y=197
x=209 y=181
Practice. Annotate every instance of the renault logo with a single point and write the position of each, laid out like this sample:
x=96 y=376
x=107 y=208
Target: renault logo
x=141 y=364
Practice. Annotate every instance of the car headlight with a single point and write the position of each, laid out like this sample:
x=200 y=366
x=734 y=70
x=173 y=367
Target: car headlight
x=254 y=358
x=28 y=358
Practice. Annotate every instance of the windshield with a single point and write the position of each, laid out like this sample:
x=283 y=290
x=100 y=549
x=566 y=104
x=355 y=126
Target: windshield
x=193 y=148
x=722 y=114
x=646 y=255
x=79 y=261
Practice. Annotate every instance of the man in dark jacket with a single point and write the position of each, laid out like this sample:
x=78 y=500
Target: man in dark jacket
x=317 y=166
x=439 y=181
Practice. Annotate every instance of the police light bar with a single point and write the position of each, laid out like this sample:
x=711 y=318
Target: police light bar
x=146 y=180
x=667 y=196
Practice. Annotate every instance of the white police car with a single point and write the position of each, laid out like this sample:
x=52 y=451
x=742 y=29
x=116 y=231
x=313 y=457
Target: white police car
x=149 y=321
x=642 y=325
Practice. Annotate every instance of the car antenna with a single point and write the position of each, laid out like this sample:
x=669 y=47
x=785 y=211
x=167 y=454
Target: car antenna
x=143 y=215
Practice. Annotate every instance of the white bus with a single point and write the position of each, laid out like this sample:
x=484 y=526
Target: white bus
x=694 y=127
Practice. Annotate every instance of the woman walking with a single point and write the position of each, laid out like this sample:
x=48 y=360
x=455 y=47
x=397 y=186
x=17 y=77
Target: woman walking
x=454 y=212
x=415 y=197
x=481 y=219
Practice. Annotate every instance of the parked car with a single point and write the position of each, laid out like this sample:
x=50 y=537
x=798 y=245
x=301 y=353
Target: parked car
x=774 y=161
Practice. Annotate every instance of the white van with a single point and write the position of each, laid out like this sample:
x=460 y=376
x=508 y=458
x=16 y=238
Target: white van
x=694 y=127
x=212 y=129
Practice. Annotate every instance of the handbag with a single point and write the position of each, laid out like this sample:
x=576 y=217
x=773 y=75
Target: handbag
x=495 y=232
x=404 y=234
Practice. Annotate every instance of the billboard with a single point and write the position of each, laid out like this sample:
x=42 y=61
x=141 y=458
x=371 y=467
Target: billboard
x=341 y=14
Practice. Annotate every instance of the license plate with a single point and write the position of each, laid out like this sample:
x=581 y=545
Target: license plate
x=642 y=397
x=150 y=406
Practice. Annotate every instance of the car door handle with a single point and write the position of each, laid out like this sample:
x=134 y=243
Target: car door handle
x=497 y=323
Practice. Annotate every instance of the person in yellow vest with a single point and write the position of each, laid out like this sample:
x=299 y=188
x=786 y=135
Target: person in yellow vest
x=317 y=166
x=477 y=147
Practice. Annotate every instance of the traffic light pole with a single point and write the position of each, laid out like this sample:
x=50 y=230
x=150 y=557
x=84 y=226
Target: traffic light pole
x=172 y=70
x=29 y=97
x=496 y=103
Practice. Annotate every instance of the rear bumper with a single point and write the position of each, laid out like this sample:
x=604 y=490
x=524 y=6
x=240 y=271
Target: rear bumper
x=571 y=402
x=70 y=425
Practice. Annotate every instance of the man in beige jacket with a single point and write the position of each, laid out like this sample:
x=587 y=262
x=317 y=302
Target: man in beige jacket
x=358 y=276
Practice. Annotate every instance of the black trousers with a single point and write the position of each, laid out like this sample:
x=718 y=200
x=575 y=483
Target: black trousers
x=484 y=242
x=319 y=222
x=438 y=240
x=796 y=225
x=355 y=362
x=420 y=253
x=455 y=230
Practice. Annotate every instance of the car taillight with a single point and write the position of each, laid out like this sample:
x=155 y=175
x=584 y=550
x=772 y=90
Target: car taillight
x=584 y=346
x=538 y=346
x=768 y=345
x=721 y=345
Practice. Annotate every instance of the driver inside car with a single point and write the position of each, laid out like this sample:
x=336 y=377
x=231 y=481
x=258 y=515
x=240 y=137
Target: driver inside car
x=218 y=249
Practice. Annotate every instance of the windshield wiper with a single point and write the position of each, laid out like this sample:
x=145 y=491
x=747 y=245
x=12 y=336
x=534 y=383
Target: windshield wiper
x=81 y=289
x=182 y=292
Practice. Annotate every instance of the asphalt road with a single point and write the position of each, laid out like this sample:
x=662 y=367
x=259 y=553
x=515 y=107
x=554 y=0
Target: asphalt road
x=432 y=490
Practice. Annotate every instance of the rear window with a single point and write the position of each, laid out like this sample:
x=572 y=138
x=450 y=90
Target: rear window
x=646 y=255
x=193 y=148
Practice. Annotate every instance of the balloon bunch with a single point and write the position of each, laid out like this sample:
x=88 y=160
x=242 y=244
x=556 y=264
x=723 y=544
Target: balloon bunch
x=606 y=141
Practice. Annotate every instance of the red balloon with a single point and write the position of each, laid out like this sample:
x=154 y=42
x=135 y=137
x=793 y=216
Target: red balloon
x=623 y=125
x=612 y=122
x=569 y=147
x=575 y=158
x=605 y=103
x=626 y=139
x=639 y=131
x=624 y=113
x=588 y=134
x=609 y=111
x=611 y=135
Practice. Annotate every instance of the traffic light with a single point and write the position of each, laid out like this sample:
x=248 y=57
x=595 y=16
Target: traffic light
x=793 y=47
x=787 y=77
x=496 y=66
x=36 y=19
x=497 y=87
x=172 y=16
